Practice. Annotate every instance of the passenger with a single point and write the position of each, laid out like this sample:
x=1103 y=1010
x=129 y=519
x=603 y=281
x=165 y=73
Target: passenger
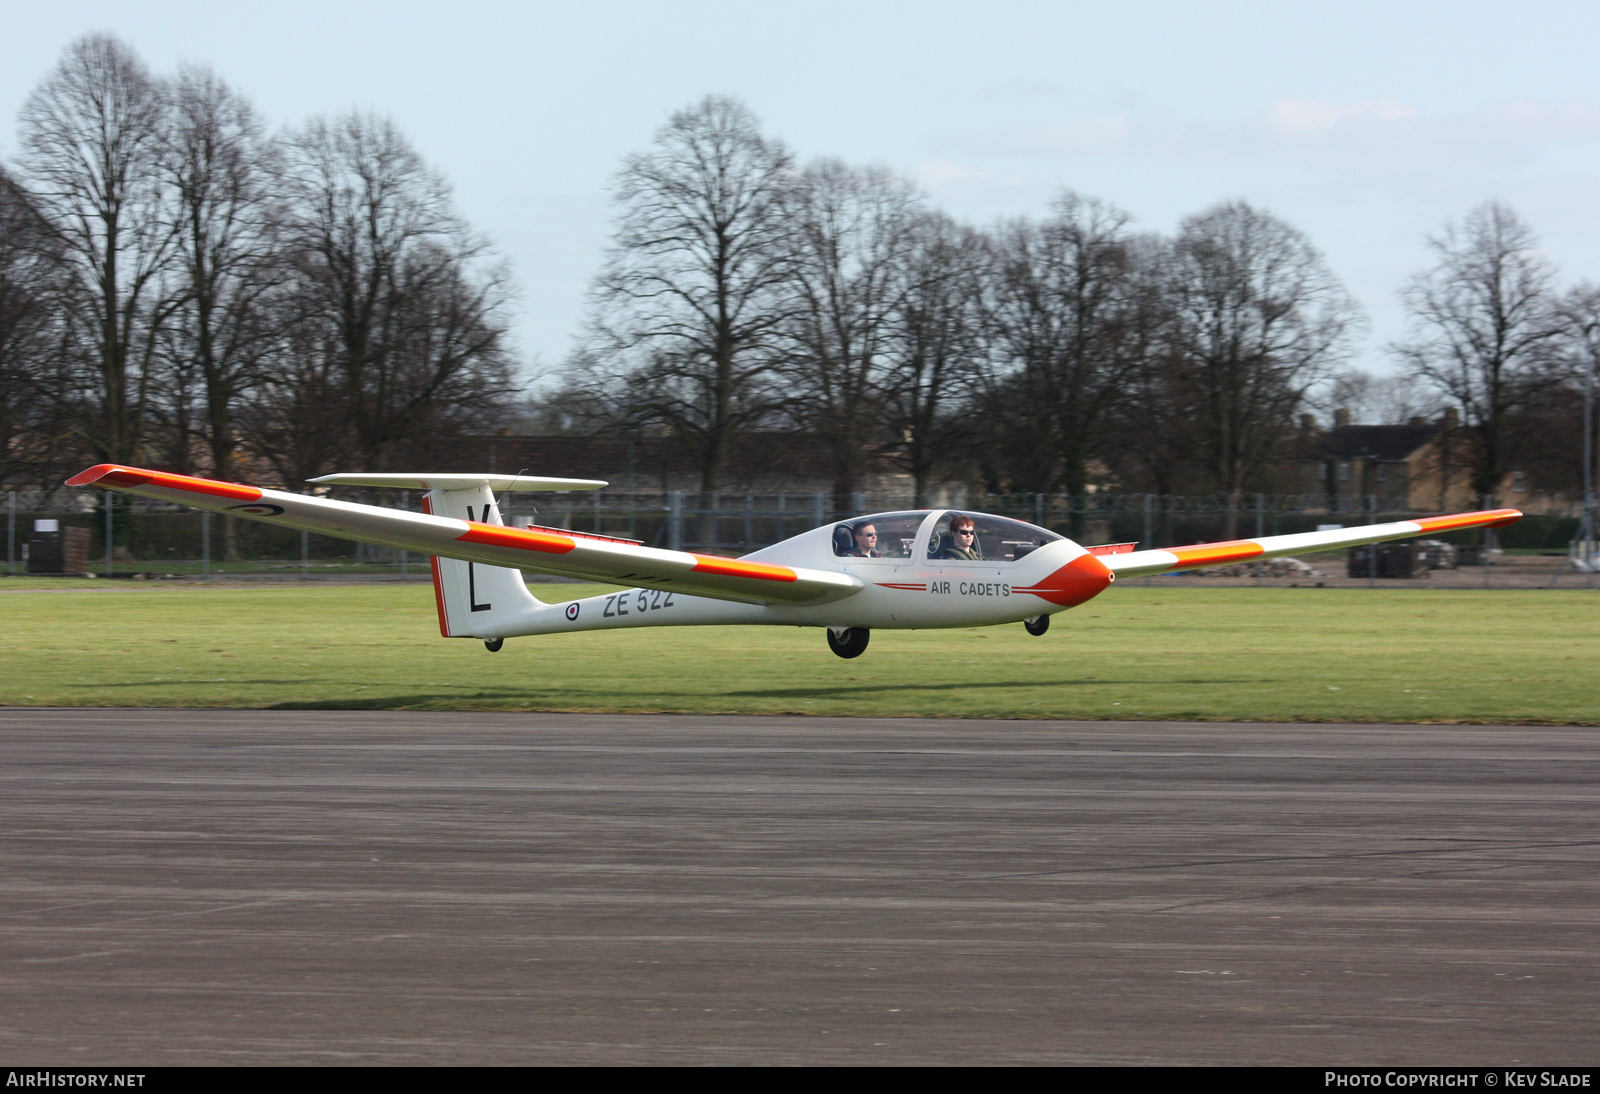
x=866 y=537
x=963 y=540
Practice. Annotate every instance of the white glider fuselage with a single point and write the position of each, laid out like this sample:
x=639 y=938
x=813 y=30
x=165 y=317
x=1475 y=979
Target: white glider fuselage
x=909 y=592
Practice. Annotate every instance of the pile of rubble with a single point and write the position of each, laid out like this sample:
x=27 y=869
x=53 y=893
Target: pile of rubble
x=1272 y=567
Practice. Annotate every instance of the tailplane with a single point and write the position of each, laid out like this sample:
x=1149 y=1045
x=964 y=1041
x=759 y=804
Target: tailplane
x=474 y=600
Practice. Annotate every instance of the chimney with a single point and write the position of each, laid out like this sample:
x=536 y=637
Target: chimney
x=1416 y=421
x=1308 y=423
x=1341 y=418
x=1452 y=418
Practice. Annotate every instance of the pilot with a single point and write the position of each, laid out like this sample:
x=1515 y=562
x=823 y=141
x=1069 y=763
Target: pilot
x=963 y=540
x=866 y=537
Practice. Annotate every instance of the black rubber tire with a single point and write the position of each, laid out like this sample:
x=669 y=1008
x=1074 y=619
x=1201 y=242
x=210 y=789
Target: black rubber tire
x=493 y=644
x=1038 y=626
x=852 y=643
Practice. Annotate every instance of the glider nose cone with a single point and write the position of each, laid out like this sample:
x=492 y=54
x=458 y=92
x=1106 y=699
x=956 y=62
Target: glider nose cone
x=1080 y=580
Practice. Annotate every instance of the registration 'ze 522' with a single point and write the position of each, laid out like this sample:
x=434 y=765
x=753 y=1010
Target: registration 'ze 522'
x=886 y=571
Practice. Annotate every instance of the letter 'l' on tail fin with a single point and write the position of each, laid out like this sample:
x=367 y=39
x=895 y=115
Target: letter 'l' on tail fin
x=474 y=600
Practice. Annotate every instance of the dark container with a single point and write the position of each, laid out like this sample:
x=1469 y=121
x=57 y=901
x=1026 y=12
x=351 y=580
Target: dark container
x=1394 y=560
x=61 y=552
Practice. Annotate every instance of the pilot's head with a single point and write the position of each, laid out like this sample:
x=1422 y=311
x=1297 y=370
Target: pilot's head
x=866 y=538
x=962 y=531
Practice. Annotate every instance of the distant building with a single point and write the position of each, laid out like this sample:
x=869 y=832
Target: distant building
x=1422 y=466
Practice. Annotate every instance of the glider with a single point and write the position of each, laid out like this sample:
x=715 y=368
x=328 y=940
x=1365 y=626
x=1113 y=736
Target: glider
x=892 y=571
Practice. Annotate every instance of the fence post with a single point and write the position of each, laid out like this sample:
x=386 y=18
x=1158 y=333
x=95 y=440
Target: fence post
x=749 y=504
x=205 y=543
x=305 y=554
x=858 y=502
x=1038 y=509
x=675 y=519
x=405 y=506
x=817 y=517
x=598 y=518
x=1488 y=544
x=110 y=500
x=1372 y=548
x=783 y=501
x=11 y=533
x=1261 y=526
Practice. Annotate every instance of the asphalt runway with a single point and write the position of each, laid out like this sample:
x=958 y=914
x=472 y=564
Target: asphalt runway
x=205 y=887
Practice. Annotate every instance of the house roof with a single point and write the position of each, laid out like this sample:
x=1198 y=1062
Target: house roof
x=1381 y=442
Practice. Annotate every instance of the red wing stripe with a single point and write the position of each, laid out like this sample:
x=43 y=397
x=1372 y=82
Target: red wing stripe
x=730 y=567
x=111 y=474
x=1491 y=517
x=1211 y=553
x=903 y=585
x=495 y=536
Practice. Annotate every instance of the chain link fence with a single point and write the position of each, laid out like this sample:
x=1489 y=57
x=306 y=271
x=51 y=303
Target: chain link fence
x=129 y=534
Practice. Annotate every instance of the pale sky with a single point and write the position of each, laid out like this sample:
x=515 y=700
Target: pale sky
x=1367 y=125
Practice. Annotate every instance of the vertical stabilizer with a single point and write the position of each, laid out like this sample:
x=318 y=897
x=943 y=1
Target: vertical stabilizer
x=474 y=600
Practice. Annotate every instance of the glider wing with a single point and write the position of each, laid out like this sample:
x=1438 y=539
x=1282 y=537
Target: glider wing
x=566 y=553
x=1138 y=563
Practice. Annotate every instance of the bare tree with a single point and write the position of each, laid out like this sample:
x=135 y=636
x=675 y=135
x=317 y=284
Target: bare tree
x=34 y=431
x=853 y=236
x=1484 y=323
x=1257 y=319
x=687 y=310
x=935 y=347
x=387 y=279
x=1377 y=400
x=90 y=154
x=219 y=167
x=1071 y=314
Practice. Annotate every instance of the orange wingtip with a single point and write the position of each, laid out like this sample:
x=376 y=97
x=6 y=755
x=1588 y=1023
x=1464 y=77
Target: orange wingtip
x=116 y=475
x=1488 y=518
x=732 y=567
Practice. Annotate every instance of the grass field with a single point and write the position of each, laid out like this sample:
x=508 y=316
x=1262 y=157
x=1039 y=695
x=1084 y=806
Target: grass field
x=1235 y=654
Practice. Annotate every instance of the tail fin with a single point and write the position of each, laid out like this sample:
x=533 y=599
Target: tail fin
x=474 y=600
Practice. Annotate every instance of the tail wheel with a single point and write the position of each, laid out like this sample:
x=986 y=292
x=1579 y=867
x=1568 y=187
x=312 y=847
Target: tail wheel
x=849 y=642
x=1037 y=625
x=493 y=644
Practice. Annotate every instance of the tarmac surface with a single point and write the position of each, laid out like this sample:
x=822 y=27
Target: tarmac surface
x=258 y=887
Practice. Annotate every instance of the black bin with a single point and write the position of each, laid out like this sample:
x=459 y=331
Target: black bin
x=63 y=551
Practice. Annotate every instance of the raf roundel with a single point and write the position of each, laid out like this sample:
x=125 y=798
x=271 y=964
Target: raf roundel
x=572 y=610
x=258 y=509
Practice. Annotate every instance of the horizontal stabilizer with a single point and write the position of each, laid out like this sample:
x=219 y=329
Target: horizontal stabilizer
x=430 y=481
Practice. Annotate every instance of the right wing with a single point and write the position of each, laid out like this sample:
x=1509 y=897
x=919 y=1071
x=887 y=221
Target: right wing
x=1138 y=563
x=568 y=554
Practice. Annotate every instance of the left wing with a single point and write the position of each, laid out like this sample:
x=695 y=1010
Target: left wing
x=569 y=554
x=1137 y=563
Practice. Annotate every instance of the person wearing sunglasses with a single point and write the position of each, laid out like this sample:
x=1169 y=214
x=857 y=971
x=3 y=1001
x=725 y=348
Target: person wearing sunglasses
x=866 y=537
x=963 y=540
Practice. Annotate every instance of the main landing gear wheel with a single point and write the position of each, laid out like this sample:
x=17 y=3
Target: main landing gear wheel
x=850 y=642
x=493 y=644
x=1037 y=625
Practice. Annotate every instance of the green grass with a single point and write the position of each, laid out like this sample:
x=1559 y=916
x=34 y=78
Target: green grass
x=1246 y=654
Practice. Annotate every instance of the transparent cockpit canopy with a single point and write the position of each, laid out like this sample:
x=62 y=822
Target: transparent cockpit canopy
x=881 y=535
x=997 y=539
